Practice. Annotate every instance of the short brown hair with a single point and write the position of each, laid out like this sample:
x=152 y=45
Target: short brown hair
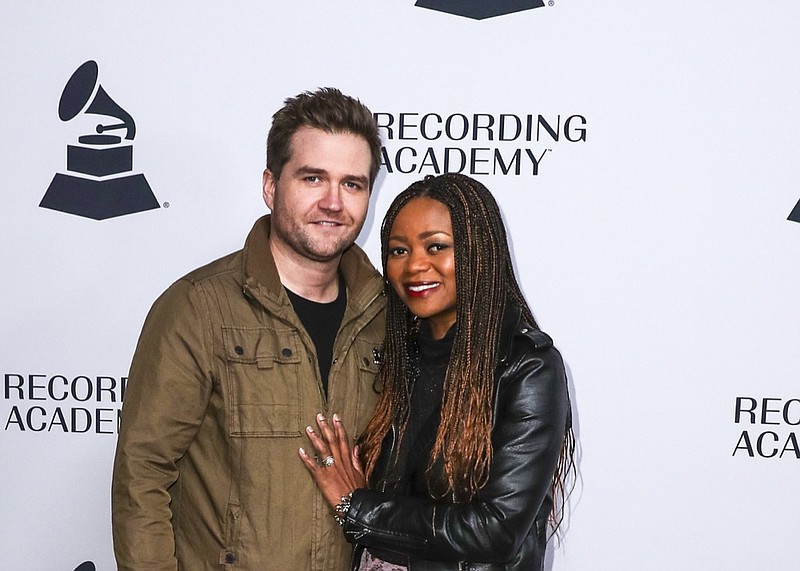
x=327 y=109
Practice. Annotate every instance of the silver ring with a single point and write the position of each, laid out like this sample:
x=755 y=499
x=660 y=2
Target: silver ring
x=327 y=462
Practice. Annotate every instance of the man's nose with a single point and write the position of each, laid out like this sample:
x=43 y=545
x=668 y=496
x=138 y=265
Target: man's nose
x=331 y=200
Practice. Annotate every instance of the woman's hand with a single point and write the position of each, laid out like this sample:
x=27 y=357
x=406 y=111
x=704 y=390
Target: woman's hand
x=338 y=471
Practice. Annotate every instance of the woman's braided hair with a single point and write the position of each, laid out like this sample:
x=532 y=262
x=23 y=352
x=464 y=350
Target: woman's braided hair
x=485 y=283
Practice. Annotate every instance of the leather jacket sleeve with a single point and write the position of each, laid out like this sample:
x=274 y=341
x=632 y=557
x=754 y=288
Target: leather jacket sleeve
x=165 y=400
x=531 y=415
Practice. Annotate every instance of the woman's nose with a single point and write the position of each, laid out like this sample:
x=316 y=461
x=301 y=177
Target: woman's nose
x=418 y=261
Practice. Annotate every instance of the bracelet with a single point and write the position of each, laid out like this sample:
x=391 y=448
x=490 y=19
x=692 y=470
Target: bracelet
x=340 y=510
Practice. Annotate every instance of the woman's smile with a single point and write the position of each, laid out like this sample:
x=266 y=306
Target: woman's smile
x=421 y=262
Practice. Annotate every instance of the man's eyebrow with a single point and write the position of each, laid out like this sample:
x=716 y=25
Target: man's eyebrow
x=305 y=169
x=309 y=170
x=358 y=178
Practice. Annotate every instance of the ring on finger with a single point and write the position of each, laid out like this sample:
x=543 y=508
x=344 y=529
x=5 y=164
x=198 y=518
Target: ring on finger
x=328 y=461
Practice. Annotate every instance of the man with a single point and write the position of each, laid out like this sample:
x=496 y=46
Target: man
x=237 y=358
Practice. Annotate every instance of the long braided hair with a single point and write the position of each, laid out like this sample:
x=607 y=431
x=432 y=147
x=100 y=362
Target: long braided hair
x=485 y=283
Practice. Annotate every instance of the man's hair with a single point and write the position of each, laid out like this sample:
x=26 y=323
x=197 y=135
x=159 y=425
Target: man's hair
x=485 y=283
x=329 y=110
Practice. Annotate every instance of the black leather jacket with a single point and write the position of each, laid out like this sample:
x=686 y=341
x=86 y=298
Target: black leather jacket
x=505 y=526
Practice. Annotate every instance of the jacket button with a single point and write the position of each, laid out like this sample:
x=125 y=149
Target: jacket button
x=238 y=349
x=286 y=352
x=230 y=558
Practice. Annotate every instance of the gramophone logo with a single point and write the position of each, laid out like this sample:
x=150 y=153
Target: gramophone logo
x=794 y=215
x=480 y=9
x=99 y=182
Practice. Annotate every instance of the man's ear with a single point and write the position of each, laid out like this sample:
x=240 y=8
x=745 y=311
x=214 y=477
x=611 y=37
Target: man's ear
x=268 y=183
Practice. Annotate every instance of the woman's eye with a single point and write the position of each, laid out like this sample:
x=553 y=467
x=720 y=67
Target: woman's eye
x=438 y=247
x=397 y=251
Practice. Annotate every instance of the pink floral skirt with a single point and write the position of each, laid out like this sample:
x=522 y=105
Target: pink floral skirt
x=371 y=563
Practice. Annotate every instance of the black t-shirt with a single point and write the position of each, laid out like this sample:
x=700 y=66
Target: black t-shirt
x=322 y=321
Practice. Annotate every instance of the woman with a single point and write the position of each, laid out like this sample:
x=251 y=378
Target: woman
x=471 y=441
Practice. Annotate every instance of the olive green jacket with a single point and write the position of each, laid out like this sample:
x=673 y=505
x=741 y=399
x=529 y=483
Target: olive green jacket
x=222 y=385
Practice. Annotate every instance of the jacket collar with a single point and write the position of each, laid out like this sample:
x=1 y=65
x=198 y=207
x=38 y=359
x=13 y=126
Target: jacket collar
x=261 y=279
x=511 y=318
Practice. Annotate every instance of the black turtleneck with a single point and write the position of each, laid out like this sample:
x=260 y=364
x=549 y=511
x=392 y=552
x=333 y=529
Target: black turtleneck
x=425 y=409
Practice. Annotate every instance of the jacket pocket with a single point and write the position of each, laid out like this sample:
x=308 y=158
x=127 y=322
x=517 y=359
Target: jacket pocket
x=263 y=369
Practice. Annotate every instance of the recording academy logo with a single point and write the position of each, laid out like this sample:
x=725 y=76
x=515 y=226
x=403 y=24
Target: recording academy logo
x=99 y=182
x=768 y=427
x=39 y=403
x=511 y=143
x=794 y=216
x=480 y=9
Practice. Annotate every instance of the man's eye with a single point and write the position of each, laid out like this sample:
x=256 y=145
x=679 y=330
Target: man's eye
x=312 y=178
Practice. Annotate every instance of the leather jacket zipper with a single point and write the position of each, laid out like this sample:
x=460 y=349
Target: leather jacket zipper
x=392 y=458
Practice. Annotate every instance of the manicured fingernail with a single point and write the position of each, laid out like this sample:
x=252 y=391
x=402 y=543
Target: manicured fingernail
x=336 y=418
x=302 y=451
x=320 y=417
x=309 y=430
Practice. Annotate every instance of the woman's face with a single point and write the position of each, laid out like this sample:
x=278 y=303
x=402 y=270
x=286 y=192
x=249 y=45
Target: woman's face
x=421 y=265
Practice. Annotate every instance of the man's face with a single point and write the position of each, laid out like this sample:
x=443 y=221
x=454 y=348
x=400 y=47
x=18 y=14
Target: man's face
x=319 y=204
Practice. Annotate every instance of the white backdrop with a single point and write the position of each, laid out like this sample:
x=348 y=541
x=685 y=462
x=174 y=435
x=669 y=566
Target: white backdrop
x=655 y=247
